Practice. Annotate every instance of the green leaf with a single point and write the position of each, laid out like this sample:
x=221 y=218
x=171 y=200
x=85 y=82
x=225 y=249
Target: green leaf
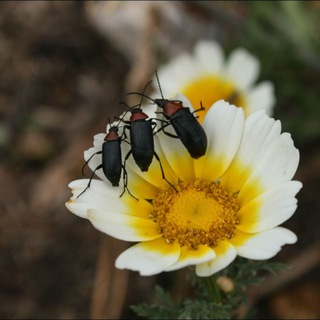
x=192 y=309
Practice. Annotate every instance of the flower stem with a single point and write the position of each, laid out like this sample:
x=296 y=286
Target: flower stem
x=213 y=289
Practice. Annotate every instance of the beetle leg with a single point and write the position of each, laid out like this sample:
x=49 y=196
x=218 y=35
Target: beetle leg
x=82 y=170
x=166 y=132
x=162 y=172
x=88 y=186
x=125 y=184
x=126 y=158
x=154 y=125
x=162 y=121
x=124 y=121
x=124 y=134
x=170 y=134
x=202 y=108
x=126 y=142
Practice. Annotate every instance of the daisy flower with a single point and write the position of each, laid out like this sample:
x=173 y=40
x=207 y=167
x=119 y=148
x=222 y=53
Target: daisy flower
x=205 y=76
x=229 y=202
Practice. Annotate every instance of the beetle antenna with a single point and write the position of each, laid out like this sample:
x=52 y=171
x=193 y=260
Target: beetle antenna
x=156 y=73
x=129 y=109
x=121 y=119
x=86 y=163
x=141 y=94
x=144 y=90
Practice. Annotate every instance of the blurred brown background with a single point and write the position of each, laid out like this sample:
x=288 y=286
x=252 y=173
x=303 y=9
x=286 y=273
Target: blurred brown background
x=65 y=66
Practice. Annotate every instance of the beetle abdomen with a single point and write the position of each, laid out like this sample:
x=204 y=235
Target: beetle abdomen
x=142 y=144
x=111 y=161
x=190 y=132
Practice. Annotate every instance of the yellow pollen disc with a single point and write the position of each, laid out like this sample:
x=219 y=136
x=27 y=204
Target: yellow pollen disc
x=209 y=89
x=199 y=213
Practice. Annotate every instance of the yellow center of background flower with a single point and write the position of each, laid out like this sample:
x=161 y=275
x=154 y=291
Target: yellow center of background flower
x=209 y=89
x=199 y=213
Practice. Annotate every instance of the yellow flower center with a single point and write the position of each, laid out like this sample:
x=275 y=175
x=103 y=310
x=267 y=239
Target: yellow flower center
x=209 y=89
x=199 y=213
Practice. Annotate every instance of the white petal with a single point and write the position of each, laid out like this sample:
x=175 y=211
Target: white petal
x=95 y=161
x=259 y=133
x=223 y=125
x=139 y=183
x=225 y=254
x=123 y=226
x=278 y=165
x=146 y=184
x=210 y=56
x=140 y=187
x=96 y=187
x=269 y=209
x=149 y=258
x=243 y=68
x=100 y=196
x=106 y=199
x=176 y=74
x=177 y=157
x=150 y=110
x=79 y=209
x=185 y=101
x=263 y=245
x=192 y=257
x=98 y=140
x=261 y=97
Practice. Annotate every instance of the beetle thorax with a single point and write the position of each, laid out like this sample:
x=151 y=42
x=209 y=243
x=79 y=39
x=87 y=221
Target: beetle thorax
x=171 y=107
x=112 y=134
x=138 y=114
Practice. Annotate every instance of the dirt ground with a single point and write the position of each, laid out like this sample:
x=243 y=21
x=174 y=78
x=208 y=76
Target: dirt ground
x=61 y=78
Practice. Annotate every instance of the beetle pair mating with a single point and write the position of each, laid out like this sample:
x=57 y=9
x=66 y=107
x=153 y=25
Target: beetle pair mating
x=141 y=129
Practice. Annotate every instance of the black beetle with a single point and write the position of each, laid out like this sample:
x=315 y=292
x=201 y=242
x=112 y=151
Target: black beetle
x=141 y=135
x=141 y=140
x=111 y=160
x=185 y=124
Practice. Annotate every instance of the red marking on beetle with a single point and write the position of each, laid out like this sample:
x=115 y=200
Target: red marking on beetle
x=138 y=114
x=112 y=134
x=171 y=107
